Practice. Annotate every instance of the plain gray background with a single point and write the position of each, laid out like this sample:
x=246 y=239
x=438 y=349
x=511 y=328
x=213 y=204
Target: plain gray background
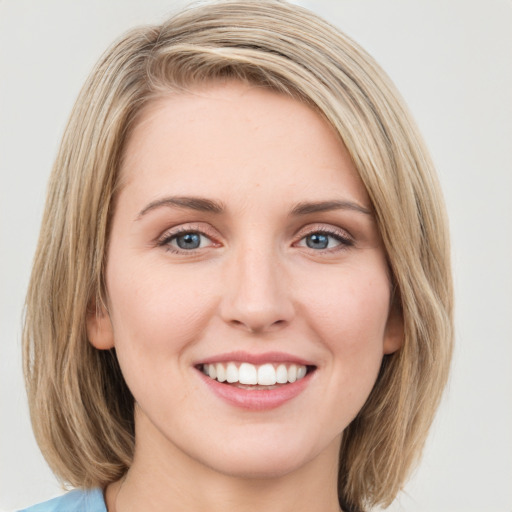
x=452 y=61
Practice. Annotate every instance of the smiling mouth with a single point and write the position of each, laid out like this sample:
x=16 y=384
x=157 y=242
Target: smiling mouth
x=255 y=377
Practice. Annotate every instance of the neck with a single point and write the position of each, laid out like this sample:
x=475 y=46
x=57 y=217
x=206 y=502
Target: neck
x=168 y=479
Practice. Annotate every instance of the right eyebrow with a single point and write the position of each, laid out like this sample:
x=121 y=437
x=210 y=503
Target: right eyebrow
x=191 y=203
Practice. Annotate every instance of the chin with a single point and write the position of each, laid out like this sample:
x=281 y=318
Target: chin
x=260 y=466
x=271 y=459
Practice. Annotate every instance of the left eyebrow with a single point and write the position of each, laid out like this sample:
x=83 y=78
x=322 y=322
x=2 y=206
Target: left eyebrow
x=325 y=206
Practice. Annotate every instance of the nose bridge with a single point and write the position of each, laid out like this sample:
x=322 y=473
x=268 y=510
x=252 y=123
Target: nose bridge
x=257 y=296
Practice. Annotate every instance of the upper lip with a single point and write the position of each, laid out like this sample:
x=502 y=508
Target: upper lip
x=256 y=359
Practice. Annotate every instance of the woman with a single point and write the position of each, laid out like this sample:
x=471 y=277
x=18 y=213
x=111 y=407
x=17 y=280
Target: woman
x=241 y=295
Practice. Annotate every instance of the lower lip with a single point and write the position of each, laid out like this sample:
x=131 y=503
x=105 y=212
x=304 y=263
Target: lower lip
x=256 y=400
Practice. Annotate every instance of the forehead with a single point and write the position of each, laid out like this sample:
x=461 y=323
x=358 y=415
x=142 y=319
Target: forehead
x=234 y=134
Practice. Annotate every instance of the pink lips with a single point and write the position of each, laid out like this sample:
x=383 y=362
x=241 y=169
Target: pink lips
x=256 y=399
x=267 y=357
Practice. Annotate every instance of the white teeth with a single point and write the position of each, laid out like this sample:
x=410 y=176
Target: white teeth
x=221 y=372
x=301 y=372
x=266 y=375
x=281 y=374
x=246 y=373
x=232 y=373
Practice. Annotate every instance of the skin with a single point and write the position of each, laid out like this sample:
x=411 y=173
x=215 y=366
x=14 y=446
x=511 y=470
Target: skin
x=255 y=285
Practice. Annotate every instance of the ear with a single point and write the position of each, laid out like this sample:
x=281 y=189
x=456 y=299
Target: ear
x=394 y=333
x=99 y=328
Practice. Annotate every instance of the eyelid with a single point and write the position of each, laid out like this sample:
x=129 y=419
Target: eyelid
x=324 y=228
x=345 y=238
x=200 y=228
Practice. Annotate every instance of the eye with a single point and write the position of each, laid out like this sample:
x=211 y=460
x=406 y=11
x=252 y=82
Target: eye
x=320 y=241
x=325 y=240
x=188 y=240
x=184 y=241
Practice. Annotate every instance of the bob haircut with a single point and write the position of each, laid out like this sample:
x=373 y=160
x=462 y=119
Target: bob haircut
x=81 y=408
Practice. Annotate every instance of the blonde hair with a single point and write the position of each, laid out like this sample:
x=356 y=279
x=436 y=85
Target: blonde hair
x=82 y=410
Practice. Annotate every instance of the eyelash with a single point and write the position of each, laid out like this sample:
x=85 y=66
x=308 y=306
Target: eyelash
x=167 y=238
x=345 y=241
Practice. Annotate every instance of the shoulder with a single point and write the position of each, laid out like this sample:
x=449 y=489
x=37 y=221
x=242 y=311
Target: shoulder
x=74 y=501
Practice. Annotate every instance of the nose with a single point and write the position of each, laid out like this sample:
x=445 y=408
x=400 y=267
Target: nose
x=257 y=296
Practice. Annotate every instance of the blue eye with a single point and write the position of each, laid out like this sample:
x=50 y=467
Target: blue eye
x=320 y=240
x=317 y=241
x=186 y=241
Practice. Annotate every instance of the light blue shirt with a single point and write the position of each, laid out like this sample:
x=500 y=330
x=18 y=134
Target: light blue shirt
x=74 y=501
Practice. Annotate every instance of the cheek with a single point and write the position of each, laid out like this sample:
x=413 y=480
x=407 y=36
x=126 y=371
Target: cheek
x=350 y=318
x=156 y=315
x=352 y=311
x=156 y=312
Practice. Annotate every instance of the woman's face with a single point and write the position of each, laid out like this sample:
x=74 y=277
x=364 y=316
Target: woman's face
x=243 y=245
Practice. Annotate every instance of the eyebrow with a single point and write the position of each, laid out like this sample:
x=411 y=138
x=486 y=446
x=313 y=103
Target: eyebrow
x=191 y=203
x=207 y=205
x=306 y=208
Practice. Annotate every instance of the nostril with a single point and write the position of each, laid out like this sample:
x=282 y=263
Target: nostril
x=257 y=325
